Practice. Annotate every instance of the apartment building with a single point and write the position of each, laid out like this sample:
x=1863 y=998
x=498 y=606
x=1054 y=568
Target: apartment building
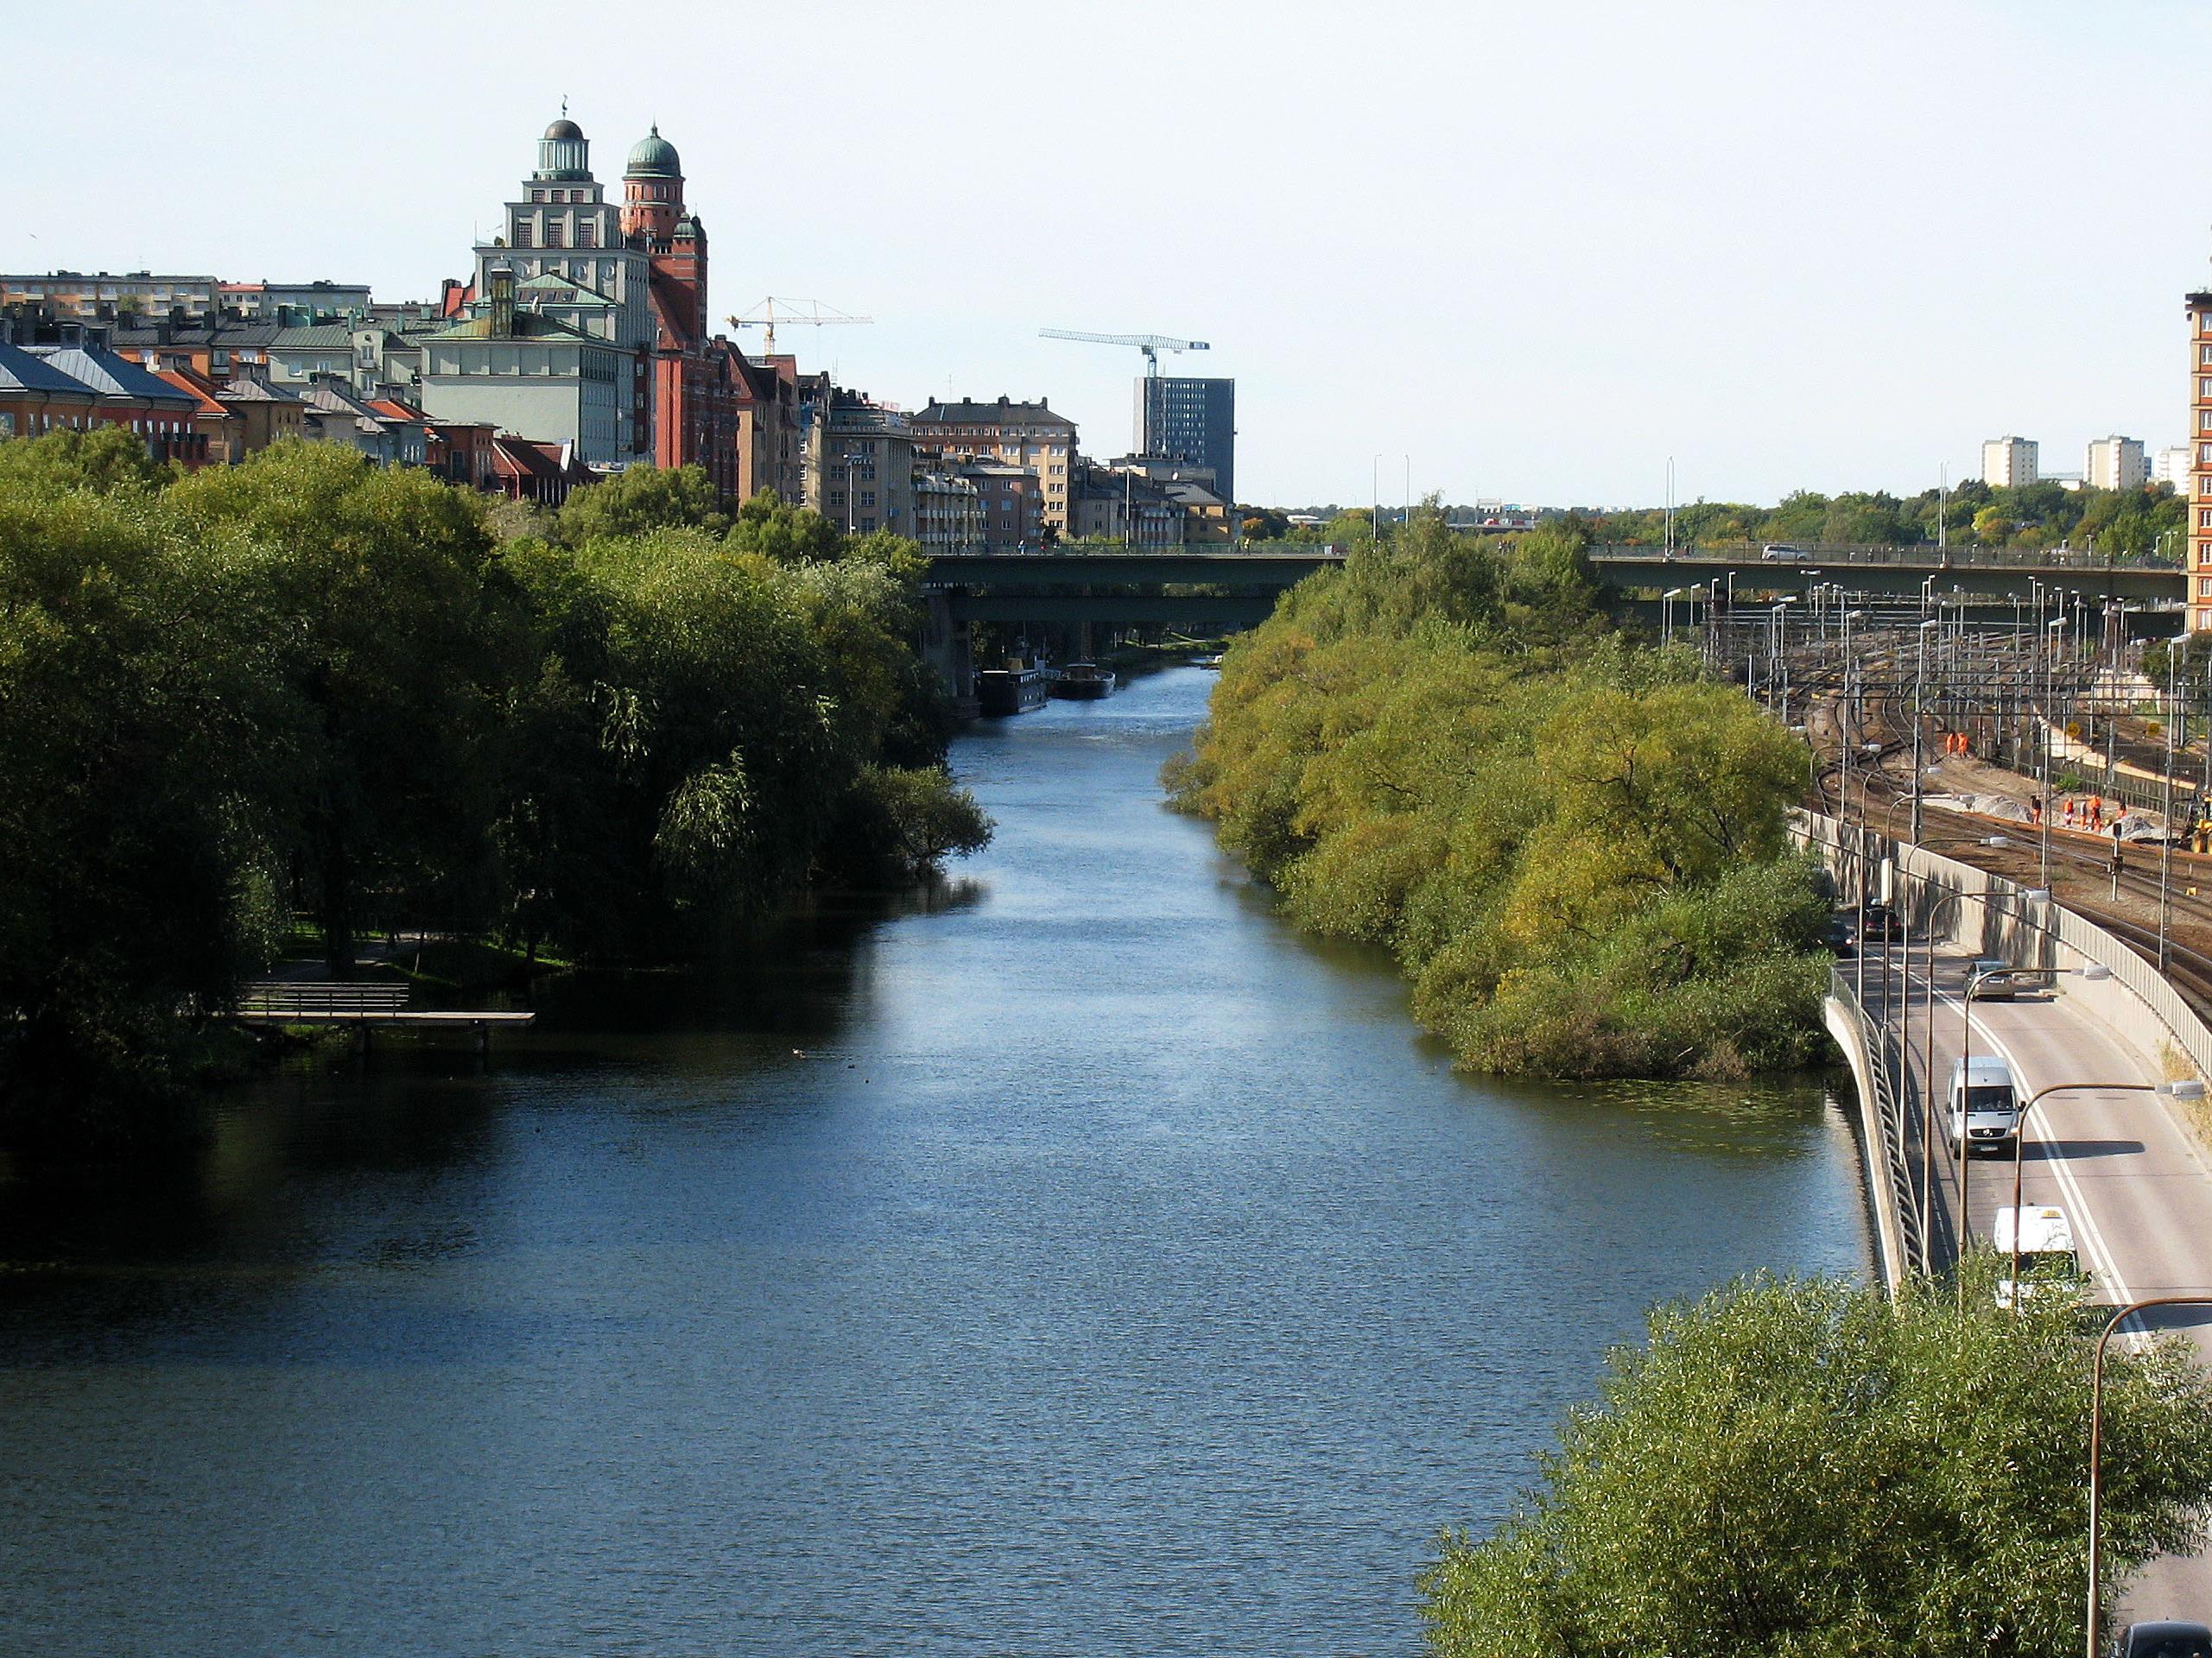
x=1030 y=436
x=2116 y=463
x=2008 y=463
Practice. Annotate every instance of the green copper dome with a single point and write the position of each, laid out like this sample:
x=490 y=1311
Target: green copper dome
x=654 y=158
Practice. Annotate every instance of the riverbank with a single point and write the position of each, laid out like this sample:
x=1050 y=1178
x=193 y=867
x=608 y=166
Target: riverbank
x=1068 y=1257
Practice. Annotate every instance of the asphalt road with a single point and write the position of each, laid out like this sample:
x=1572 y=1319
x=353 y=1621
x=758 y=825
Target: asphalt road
x=2132 y=1181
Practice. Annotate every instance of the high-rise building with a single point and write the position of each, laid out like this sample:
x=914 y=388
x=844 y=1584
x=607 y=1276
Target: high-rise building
x=2171 y=466
x=2199 y=307
x=2116 y=463
x=2008 y=463
x=1191 y=420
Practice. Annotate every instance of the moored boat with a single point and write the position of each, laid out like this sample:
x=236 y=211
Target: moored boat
x=1083 y=682
x=1212 y=662
x=1000 y=691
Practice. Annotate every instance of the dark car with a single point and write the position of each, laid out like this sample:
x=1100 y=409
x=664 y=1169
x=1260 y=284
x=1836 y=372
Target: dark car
x=1883 y=922
x=1841 y=937
x=2163 y=1639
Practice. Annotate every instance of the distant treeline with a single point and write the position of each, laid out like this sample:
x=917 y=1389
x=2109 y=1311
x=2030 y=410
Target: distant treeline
x=308 y=685
x=2128 y=523
x=1574 y=846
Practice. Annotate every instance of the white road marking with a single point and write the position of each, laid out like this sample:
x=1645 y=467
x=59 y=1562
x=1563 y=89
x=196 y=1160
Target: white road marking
x=2100 y=1254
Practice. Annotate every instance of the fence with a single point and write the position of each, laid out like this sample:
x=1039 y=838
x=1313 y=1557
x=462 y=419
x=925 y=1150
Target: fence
x=1990 y=916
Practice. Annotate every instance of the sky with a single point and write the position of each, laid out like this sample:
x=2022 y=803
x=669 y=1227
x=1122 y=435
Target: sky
x=1527 y=251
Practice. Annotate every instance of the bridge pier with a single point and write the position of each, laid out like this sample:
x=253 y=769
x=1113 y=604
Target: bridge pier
x=945 y=644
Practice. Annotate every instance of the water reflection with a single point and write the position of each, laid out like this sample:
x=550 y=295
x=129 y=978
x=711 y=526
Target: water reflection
x=1068 y=1260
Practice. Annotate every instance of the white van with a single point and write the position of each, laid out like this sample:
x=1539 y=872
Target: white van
x=2049 y=1265
x=1985 y=1106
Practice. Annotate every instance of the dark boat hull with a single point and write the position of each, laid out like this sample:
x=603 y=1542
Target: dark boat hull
x=1002 y=690
x=1081 y=682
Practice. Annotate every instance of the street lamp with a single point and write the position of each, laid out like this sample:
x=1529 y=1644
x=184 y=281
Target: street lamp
x=1666 y=616
x=2097 y=1446
x=2188 y=1088
x=1920 y=677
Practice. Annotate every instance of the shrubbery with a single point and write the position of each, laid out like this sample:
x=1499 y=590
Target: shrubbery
x=1575 y=847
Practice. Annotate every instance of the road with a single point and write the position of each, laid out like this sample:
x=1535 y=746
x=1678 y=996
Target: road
x=2125 y=1170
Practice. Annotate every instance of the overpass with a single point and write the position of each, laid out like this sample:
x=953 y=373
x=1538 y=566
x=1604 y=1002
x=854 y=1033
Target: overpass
x=1202 y=589
x=1905 y=571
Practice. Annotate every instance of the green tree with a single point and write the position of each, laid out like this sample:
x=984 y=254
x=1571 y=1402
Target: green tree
x=400 y=633
x=143 y=723
x=786 y=534
x=1802 y=1469
x=641 y=499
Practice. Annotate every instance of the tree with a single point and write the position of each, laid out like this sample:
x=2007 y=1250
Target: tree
x=400 y=632
x=641 y=499
x=143 y=726
x=788 y=534
x=1801 y=1468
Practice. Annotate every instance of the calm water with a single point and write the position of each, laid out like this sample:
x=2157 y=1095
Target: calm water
x=1078 y=1264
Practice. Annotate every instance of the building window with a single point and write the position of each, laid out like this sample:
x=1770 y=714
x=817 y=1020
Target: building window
x=522 y=237
x=554 y=236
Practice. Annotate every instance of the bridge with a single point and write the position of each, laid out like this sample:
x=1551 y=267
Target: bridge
x=1207 y=589
x=1989 y=574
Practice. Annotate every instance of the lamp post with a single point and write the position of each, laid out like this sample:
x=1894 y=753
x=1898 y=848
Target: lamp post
x=2042 y=870
x=1666 y=616
x=2188 y=1088
x=1919 y=679
x=1966 y=1050
x=2166 y=815
x=2097 y=1445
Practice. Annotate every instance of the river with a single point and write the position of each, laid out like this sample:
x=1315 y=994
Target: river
x=1077 y=1263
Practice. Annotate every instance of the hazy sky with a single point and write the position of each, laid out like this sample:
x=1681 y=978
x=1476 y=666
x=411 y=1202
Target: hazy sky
x=1538 y=247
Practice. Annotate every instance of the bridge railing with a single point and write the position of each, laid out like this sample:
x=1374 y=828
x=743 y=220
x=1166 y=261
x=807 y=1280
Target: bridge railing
x=1900 y=1221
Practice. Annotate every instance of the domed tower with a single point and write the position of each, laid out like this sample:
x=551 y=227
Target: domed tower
x=564 y=152
x=652 y=189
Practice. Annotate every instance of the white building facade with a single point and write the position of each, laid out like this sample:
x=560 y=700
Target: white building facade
x=2008 y=463
x=2116 y=463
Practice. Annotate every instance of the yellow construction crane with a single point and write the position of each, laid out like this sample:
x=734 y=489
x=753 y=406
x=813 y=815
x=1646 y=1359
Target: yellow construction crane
x=1151 y=344
x=812 y=312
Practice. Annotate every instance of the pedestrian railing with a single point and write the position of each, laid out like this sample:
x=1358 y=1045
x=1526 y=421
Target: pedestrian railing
x=1895 y=1105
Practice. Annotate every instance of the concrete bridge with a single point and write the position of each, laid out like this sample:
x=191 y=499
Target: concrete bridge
x=1905 y=572
x=1204 y=590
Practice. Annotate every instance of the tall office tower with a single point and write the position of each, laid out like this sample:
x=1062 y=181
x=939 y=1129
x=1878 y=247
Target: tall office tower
x=1192 y=421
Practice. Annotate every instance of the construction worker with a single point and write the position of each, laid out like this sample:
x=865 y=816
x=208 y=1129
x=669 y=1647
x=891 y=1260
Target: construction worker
x=2069 y=811
x=2097 y=812
x=2035 y=809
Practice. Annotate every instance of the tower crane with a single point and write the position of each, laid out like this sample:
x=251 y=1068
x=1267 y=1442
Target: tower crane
x=1151 y=344
x=814 y=311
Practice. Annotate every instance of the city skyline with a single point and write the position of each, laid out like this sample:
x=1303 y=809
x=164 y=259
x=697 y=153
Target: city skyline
x=1544 y=254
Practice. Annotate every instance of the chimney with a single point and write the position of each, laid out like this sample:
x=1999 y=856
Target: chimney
x=500 y=279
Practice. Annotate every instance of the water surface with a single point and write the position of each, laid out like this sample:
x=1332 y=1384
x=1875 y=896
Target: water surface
x=1075 y=1263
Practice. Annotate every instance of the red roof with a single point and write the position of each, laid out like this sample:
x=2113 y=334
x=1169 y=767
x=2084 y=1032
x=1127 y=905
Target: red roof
x=200 y=388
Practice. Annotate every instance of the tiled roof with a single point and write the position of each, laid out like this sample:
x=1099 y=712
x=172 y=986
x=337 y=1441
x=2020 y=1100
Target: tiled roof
x=202 y=392
x=112 y=376
x=21 y=372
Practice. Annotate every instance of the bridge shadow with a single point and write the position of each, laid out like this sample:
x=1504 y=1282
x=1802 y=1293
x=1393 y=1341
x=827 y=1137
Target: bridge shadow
x=2051 y=1150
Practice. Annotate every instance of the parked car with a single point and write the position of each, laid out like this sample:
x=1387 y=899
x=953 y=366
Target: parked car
x=1781 y=553
x=2165 y=1638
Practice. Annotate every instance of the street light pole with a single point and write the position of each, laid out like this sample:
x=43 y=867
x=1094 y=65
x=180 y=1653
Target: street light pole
x=2096 y=1448
x=1919 y=678
x=2187 y=1089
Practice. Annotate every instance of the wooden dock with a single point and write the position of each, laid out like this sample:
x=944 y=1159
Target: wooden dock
x=365 y=1005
